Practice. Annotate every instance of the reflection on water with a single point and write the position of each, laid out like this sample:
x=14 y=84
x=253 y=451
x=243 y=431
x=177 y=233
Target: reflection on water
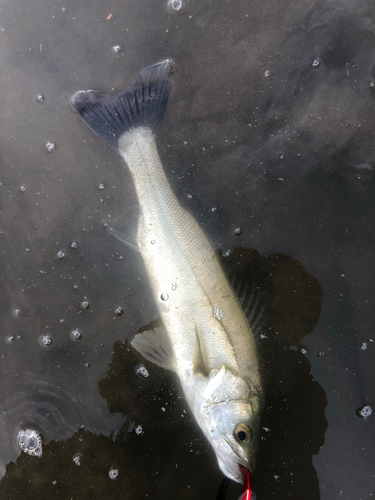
x=268 y=140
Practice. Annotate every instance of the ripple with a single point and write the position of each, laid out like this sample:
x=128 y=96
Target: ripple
x=42 y=408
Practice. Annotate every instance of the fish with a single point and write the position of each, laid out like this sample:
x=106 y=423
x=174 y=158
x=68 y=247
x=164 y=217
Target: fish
x=204 y=334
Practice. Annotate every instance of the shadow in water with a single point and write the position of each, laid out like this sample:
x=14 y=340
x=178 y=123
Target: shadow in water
x=78 y=467
x=160 y=452
x=293 y=423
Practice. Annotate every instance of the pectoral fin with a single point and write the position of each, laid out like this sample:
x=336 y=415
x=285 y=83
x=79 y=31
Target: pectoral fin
x=154 y=345
x=199 y=366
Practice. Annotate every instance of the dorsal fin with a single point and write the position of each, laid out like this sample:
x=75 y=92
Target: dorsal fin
x=252 y=298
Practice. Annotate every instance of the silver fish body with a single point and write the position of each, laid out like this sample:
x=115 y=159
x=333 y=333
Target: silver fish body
x=205 y=336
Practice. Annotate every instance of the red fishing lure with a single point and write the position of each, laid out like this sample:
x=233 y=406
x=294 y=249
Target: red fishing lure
x=246 y=495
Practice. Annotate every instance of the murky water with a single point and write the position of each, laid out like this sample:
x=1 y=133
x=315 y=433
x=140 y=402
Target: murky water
x=269 y=140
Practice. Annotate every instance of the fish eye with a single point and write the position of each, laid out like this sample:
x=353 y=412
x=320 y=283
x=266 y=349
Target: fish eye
x=242 y=433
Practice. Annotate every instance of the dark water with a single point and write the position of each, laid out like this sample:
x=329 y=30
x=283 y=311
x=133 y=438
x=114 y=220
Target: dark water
x=271 y=121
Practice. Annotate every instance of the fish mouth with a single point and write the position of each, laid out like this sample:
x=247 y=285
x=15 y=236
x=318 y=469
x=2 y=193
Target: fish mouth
x=230 y=462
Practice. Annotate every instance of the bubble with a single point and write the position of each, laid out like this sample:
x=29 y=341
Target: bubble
x=141 y=371
x=85 y=304
x=303 y=351
x=22 y=188
x=60 y=254
x=40 y=98
x=281 y=156
x=213 y=209
x=116 y=48
x=316 y=63
x=190 y=196
x=119 y=311
x=138 y=430
x=237 y=231
x=174 y=286
x=45 y=409
x=50 y=146
x=46 y=340
x=176 y=5
x=74 y=244
x=76 y=334
x=9 y=339
x=364 y=346
x=63 y=9
x=266 y=73
x=218 y=313
x=77 y=459
x=227 y=399
x=16 y=312
x=372 y=85
x=152 y=242
x=30 y=442
x=164 y=296
x=364 y=411
x=113 y=473
x=101 y=186
x=320 y=354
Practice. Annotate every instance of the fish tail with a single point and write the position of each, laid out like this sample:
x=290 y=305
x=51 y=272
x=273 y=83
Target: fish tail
x=141 y=104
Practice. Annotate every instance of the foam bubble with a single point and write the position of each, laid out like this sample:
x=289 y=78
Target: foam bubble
x=119 y=311
x=30 y=442
x=45 y=340
x=76 y=334
x=176 y=5
x=77 y=459
x=85 y=304
x=141 y=370
x=113 y=473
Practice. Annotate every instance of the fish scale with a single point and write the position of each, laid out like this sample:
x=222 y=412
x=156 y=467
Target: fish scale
x=183 y=254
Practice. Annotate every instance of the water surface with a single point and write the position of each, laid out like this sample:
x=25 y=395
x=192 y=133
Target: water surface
x=269 y=128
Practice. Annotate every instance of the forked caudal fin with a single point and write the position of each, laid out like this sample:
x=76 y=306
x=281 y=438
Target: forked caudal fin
x=141 y=103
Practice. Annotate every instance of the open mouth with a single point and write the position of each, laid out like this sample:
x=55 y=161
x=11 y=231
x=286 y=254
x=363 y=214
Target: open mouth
x=230 y=462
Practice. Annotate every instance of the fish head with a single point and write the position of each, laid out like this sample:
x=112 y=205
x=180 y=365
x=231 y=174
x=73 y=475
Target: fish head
x=227 y=409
